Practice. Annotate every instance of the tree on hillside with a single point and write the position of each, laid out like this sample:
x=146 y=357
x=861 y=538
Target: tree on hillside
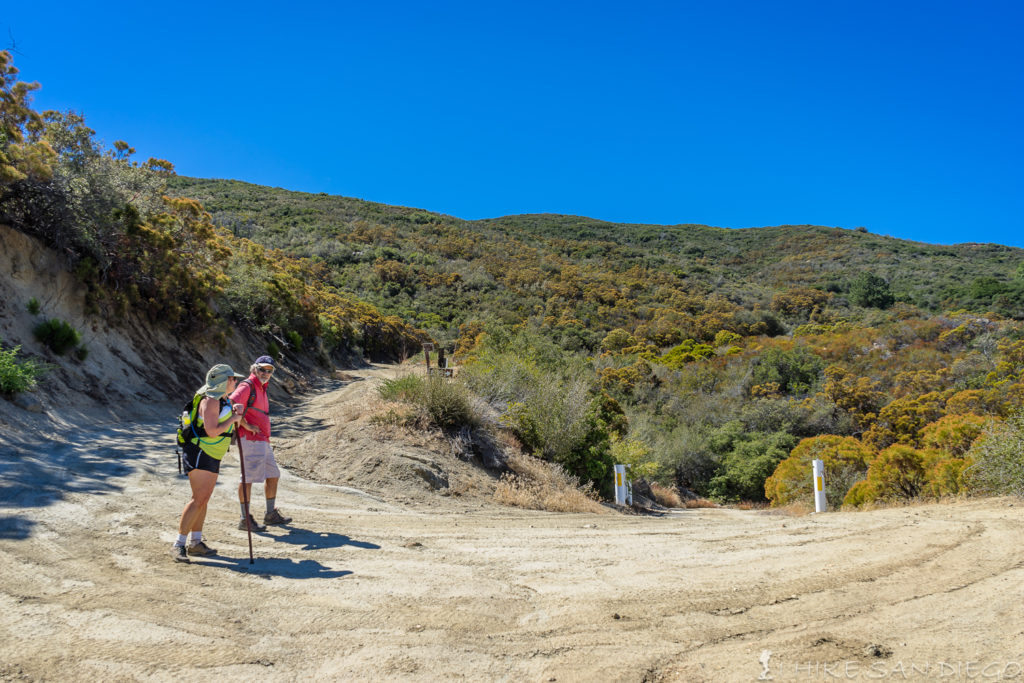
x=871 y=291
x=22 y=153
x=790 y=371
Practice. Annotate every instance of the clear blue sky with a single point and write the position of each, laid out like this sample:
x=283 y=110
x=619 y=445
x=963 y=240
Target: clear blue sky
x=902 y=117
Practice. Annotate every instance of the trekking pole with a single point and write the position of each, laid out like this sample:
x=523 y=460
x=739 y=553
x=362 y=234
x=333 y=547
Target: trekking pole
x=245 y=492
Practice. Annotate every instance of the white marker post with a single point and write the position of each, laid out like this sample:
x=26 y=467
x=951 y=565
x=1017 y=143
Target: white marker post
x=623 y=491
x=818 y=471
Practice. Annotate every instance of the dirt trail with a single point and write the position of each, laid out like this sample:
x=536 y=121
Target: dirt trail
x=372 y=585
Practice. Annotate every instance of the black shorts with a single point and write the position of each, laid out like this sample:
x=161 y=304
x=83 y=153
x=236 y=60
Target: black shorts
x=201 y=461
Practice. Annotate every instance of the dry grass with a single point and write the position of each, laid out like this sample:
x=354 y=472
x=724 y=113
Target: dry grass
x=798 y=508
x=508 y=441
x=920 y=501
x=392 y=415
x=699 y=503
x=461 y=485
x=538 y=485
x=666 y=496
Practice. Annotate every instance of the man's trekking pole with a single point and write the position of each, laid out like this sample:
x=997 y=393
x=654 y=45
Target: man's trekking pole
x=245 y=492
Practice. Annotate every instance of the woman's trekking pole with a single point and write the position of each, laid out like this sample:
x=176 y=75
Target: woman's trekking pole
x=245 y=492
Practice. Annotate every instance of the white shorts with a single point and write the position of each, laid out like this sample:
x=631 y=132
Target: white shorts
x=259 y=462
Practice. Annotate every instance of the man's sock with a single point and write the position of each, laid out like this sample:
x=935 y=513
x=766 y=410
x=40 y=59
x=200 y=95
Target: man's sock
x=242 y=505
x=270 y=505
x=181 y=539
x=196 y=537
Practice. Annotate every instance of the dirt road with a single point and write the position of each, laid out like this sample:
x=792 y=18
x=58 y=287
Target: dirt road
x=363 y=586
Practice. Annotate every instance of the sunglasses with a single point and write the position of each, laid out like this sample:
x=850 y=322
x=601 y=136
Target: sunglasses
x=269 y=371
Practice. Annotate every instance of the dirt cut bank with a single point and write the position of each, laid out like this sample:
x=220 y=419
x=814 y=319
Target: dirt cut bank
x=380 y=577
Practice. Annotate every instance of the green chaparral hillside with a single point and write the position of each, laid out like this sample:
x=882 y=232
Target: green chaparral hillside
x=422 y=264
x=721 y=361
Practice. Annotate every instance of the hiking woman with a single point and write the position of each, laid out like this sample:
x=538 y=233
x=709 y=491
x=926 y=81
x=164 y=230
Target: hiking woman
x=217 y=417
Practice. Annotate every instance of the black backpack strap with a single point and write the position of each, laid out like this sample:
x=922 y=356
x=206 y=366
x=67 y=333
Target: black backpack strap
x=252 y=397
x=194 y=417
x=252 y=393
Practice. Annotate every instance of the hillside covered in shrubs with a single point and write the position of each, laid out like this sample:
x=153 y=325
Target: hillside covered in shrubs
x=720 y=361
x=716 y=361
x=133 y=245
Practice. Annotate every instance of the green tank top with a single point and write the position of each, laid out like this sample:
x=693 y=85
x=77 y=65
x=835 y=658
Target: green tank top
x=217 y=446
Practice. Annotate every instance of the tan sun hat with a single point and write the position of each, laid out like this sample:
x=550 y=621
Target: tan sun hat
x=217 y=381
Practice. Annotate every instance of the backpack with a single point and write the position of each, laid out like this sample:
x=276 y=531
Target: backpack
x=189 y=432
x=252 y=394
x=252 y=397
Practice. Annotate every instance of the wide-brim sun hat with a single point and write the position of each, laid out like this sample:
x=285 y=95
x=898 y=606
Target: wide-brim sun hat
x=217 y=381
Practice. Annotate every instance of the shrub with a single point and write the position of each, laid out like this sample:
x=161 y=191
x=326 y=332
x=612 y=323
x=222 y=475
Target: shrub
x=845 y=460
x=998 y=459
x=796 y=371
x=798 y=302
x=743 y=477
x=897 y=472
x=748 y=460
x=537 y=485
x=33 y=306
x=635 y=454
x=273 y=350
x=859 y=494
x=542 y=396
x=18 y=375
x=901 y=473
x=945 y=476
x=551 y=419
x=57 y=335
x=683 y=451
x=295 y=339
x=954 y=434
x=405 y=388
x=688 y=351
x=902 y=420
x=617 y=339
x=629 y=383
x=445 y=403
x=395 y=418
x=449 y=404
x=666 y=496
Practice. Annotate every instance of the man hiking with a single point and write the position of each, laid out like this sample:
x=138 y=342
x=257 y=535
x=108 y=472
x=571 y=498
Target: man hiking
x=257 y=455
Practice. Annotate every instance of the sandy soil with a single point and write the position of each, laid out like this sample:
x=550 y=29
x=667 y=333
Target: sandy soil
x=394 y=581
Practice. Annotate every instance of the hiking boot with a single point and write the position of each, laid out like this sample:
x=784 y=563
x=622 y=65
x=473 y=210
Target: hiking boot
x=253 y=524
x=276 y=517
x=179 y=554
x=201 y=549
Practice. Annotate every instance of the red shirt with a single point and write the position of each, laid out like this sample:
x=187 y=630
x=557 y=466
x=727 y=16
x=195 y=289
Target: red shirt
x=258 y=413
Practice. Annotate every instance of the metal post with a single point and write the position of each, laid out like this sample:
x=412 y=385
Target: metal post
x=818 y=472
x=623 y=491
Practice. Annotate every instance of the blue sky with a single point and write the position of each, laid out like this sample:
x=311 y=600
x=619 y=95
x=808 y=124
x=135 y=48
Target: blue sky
x=902 y=117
